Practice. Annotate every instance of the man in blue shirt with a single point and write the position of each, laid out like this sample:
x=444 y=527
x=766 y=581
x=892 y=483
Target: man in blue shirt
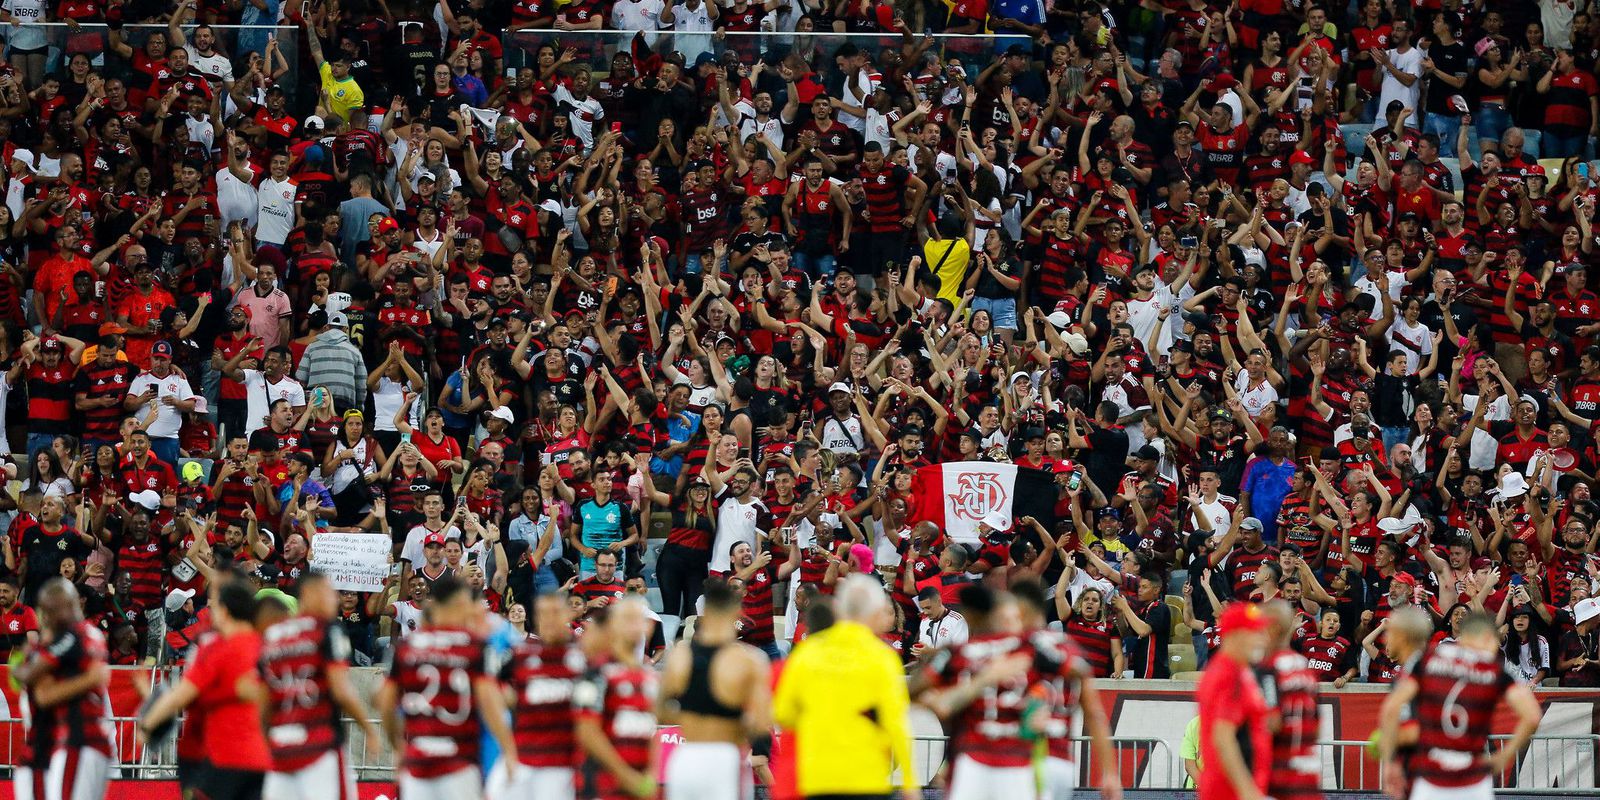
x=602 y=523
x=1268 y=479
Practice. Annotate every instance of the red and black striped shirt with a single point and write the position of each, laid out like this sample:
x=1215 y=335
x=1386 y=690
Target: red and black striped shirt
x=886 y=192
x=302 y=720
x=434 y=670
x=545 y=679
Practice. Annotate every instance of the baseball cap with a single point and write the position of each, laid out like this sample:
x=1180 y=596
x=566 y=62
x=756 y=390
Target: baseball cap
x=1405 y=578
x=192 y=471
x=504 y=414
x=266 y=573
x=1484 y=45
x=996 y=521
x=111 y=328
x=315 y=123
x=1147 y=453
x=1250 y=523
x=552 y=206
x=1301 y=157
x=1586 y=610
x=149 y=498
x=388 y=224
x=1065 y=466
x=1534 y=170
x=1060 y=319
x=433 y=538
x=176 y=598
x=339 y=319
x=50 y=343
x=1242 y=617
x=841 y=386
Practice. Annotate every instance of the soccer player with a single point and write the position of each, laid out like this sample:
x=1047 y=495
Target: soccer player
x=438 y=679
x=1456 y=686
x=305 y=663
x=1289 y=685
x=67 y=678
x=542 y=677
x=222 y=687
x=1232 y=710
x=1065 y=692
x=616 y=709
x=716 y=690
x=981 y=687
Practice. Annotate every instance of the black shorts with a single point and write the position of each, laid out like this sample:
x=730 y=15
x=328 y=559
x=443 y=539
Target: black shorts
x=217 y=783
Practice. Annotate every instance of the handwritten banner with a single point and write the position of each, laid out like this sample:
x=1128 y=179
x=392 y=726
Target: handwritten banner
x=356 y=562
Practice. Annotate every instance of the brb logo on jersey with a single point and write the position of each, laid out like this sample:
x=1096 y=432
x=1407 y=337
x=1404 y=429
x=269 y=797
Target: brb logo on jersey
x=977 y=494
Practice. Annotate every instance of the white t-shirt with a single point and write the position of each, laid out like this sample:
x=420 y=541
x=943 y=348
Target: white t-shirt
x=260 y=395
x=168 y=419
x=1410 y=63
x=275 y=209
x=236 y=199
x=736 y=522
x=386 y=400
x=1418 y=334
x=28 y=35
x=948 y=631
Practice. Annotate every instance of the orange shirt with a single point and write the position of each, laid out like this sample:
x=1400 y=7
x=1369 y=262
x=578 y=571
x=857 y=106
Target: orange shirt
x=56 y=274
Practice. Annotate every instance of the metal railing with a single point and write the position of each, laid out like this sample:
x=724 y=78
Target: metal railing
x=1551 y=764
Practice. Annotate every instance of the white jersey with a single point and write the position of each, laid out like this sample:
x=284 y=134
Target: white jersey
x=843 y=437
x=216 y=67
x=275 y=209
x=428 y=247
x=736 y=522
x=407 y=616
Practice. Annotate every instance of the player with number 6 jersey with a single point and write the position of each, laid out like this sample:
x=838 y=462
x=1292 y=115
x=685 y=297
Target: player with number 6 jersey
x=1456 y=688
x=305 y=666
x=438 y=680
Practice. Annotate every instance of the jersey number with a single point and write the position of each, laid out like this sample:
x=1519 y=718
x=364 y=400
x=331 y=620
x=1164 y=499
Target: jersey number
x=1453 y=718
x=421 y=703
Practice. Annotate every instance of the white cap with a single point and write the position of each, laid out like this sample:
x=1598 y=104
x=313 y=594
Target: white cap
x=996 y=521
x=149 y=498
x=1061 y=319
x=336 y=302
x=502 y=413
x=1586 y=610
x=315 y=123
x=552 y=206
x=1512 y=484
x=176 y=598
x=1076 y=343
x=200 y=406
x=841 y=386
x=338 y=319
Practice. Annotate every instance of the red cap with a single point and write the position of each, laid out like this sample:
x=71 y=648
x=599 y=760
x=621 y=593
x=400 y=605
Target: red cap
x=388 y=224
x=1067 y=465
x=1535 y=169
x=433 y=538
x=1301 y=157
x=1223 y=83
x=1405 y=578
x=1242 y=617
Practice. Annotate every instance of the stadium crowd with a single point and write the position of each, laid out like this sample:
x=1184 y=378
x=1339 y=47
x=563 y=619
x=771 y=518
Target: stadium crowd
x=1289 y=300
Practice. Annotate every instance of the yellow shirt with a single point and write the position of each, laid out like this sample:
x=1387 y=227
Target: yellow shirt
x=953 y=272
x=342 y=95
x=834 y=681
